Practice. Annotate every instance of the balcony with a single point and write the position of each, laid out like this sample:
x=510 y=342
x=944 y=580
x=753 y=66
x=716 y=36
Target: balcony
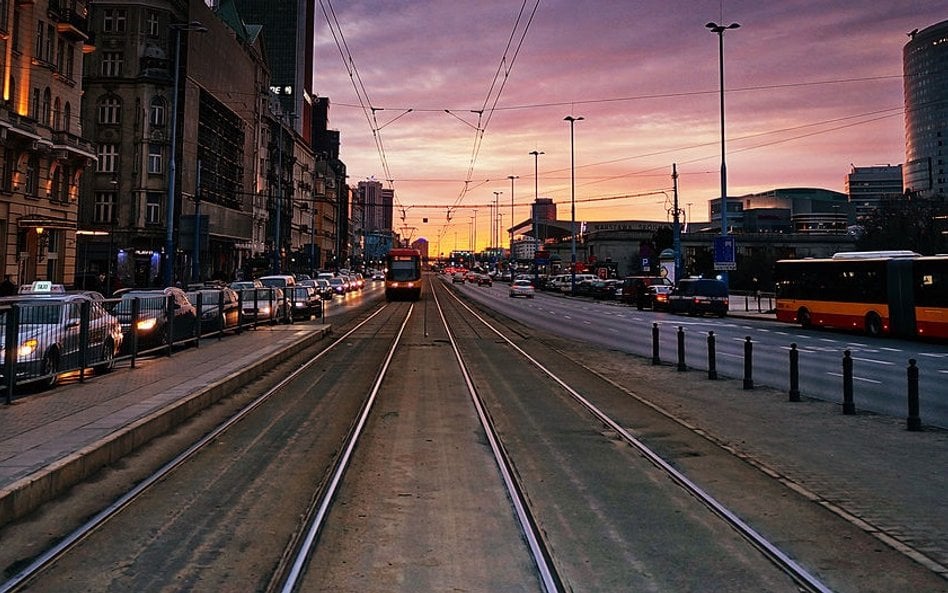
x=73 y=18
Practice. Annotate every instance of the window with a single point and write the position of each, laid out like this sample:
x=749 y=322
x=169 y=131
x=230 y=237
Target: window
x=157 y=112
x=70 y=57
x=35 y=104
x=50 y=43
x=67 y=115
x=40 y=40
x=31 y=187
x=59 y=189
x=110 y=110
x=9 y=162
x=153 y=208
x=46 y=115
x=113 y=20
x=57 y=114
x=154 y=158
x=151 y=23
x=104 y=206
x=111 y=63
x=108 y=158
x=60 y=56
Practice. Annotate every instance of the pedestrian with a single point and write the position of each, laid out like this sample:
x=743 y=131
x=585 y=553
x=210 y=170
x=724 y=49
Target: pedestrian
x=7 y=287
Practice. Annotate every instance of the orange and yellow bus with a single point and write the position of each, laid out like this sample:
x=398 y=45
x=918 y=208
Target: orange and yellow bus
x=898 y=293
x=403 y=274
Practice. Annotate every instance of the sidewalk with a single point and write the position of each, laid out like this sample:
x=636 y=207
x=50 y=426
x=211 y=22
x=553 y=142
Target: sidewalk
x=52 y=440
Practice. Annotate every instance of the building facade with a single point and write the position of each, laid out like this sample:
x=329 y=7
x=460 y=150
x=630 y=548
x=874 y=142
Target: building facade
x=868 y=187
x=925 y=75
x=45 y=153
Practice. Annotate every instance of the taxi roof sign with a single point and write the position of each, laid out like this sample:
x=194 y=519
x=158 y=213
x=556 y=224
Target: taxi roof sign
x=42 y=286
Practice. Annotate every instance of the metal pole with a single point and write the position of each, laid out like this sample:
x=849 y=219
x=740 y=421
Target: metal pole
x=676 y=224
x=572 y=225
x=511 y=178
x=914 y=421
x=849 y=406
x=279 y=201
x=196 y=262
x=172 y=166
x=533 y=215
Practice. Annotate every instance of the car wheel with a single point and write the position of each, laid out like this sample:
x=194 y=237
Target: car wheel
x=107 y=359
x=50 y=369
x=803 y=318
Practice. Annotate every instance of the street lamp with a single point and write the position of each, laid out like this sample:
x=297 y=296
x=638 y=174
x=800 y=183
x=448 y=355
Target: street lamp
x=720 y=29
x=572 y=225
x=197 y=27
x=494 y=224
x=533 y=214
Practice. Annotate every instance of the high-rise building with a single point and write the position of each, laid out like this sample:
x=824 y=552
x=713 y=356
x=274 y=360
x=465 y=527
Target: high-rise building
x=289 y=36
x=867 y=187
x=925 y=72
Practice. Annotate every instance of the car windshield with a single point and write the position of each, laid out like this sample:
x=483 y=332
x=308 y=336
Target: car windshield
x=522 y=283
x=258 y=294
x=147 y=301
x=41 y=313
x=300 y=293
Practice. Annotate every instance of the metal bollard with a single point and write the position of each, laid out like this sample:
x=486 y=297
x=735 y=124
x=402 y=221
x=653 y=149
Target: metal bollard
x=748 y=363
x=849 y=407
x=914 y=422
x=794 y=373
x=712 y=362
x=681 y=349
x=655 y=357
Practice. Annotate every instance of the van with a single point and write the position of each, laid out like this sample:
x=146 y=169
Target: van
x=278 y=281
x=699 y=296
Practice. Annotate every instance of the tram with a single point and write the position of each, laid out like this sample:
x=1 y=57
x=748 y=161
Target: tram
x=403 y=274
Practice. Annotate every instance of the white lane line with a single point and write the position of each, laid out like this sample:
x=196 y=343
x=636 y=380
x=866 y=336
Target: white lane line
x=885 y=362
x=856 y=378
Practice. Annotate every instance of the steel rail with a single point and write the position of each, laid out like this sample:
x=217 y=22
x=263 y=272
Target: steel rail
x=315 y=525
x=528 y=526
x=97 y=520
x=772 y=552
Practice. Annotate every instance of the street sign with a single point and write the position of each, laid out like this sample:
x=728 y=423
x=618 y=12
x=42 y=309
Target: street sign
x=725 y=253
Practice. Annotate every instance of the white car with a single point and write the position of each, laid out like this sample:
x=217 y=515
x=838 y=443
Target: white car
x=522 y=288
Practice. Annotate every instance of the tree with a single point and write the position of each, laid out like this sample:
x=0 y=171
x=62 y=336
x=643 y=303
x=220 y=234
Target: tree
x=908 y=222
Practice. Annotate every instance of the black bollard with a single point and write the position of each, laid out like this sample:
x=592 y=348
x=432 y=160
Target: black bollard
x=681 y=349
x=712 y=365
x=655 y=357
x=849 y=407
x=794 y=373
x=914 y=422
x=748 y=363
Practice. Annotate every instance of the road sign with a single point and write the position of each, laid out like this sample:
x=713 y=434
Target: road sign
x=725 y=253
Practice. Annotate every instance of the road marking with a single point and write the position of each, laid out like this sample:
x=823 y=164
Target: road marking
x=831 y=341
x=885 y=362
x=856 y=378
x=933 y=354
x=890 y=349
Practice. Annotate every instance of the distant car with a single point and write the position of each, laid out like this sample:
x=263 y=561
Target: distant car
x=242 y=284
x=484 y=280
x=378 y=275
x=210 y=310
x=603 y=289
x=457 y=278
x=338 y=286
x=699 y=296
x=50 y=335
x=635 y=289
x=151 y=325
x=658 y=296
x=263 y=304
x=521 y=288
x=304 y=302
x=324 y=288
x=278 y=281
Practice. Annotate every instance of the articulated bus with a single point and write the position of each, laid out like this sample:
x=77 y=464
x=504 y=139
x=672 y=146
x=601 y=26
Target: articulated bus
x=894 y=293
x=403 y=274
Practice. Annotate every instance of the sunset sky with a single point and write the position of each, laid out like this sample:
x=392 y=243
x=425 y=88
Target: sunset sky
x=813 y=86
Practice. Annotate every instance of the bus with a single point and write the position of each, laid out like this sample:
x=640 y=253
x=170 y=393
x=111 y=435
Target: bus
x=403 y=274
x=897 y=293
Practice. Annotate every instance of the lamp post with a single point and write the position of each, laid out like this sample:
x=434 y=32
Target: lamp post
x=495 y=225
x=572 y=225
x=172 y=169
x=533 y=214
x=511 y=178
x=720 y=29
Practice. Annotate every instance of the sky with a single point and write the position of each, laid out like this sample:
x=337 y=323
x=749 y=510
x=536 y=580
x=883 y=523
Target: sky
x=812 y=87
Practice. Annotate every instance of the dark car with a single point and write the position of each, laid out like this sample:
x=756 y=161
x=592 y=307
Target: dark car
x=604 y=290
x=208 y=301
x=484 y=280
x=635 y=289
x=658 y=296
x=304 y=302
x=699 y=296
x=151 y=324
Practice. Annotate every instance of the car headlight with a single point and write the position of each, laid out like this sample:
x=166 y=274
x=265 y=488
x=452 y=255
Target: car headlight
x=146 y=325
x=27 y=348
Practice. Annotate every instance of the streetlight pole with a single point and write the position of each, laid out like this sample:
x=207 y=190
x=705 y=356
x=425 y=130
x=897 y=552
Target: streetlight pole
x=172 y=167
x=495 y=237
x=720 y=29
x=511 y=178
x=572 y=225
x=533 y=215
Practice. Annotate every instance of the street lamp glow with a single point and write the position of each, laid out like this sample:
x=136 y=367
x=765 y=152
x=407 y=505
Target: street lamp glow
x=720 y=29
x=572 y=178
x=197 y=27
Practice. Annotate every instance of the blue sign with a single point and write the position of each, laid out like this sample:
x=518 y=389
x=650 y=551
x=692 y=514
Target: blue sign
x=725 y=253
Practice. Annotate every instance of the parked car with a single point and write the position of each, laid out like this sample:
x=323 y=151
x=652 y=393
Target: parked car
x=658 y=296
x=51 y=338
x=457 y=278
x=324 y=288
x=699 y=296
x=484 y=280
x=277 y=281
x=304 y=302
x=262 y=304
x=635 y=289
x=521 y=288
x=209 y=309
x=603 y=289
x=151 y=325
x=242 y=284
x=338 y=286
